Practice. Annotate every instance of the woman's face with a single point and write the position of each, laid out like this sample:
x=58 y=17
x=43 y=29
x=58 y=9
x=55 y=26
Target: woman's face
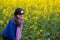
x=21 y=16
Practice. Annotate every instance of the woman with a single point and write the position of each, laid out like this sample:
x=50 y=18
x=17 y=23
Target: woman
x=13 y=31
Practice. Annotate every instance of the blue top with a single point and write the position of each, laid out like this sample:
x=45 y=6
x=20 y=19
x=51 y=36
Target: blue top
x=10 y=31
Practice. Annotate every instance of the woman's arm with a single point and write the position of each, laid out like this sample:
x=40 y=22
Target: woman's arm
x=12 y=30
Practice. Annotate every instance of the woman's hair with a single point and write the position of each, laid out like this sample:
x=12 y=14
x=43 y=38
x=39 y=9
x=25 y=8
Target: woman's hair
x=17 y=11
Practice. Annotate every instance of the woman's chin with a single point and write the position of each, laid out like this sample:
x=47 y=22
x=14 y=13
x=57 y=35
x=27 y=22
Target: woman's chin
x=21 y=18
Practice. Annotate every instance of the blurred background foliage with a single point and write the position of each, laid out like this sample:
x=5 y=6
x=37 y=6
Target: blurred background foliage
x=41 y=19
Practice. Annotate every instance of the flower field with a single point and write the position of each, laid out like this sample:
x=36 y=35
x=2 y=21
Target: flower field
x=41 y=18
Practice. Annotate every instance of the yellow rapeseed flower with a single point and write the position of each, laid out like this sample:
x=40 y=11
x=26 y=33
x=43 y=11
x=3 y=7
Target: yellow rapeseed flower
x=1 y=7
x=38 y=38
x=38 y=33
x=41 y=30
x=48 y=18
x=1 y=22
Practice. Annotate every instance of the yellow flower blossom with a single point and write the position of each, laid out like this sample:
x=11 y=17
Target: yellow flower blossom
x=41 y=30
x=1 y=22
x=38 y=33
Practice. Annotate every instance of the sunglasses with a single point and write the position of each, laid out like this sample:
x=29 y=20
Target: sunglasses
x=21 y=14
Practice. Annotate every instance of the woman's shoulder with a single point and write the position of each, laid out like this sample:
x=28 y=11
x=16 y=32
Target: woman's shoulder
x=11 y=20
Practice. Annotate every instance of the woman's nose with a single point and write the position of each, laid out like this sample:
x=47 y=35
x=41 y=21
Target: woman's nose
x=22 y=15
